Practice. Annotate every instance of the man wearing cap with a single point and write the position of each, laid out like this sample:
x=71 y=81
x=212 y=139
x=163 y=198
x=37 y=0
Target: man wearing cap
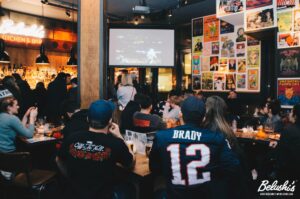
x=89 y=156
x=193 y=160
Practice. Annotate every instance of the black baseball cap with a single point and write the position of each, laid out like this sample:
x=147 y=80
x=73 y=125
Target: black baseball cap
x=193 y=110
x=101 y=112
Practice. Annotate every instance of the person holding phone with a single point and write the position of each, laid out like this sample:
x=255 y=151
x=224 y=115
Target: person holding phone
x=10 y=124
x=88 y=157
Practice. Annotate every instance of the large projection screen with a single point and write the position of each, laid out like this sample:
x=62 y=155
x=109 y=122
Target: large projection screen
x=141 y=47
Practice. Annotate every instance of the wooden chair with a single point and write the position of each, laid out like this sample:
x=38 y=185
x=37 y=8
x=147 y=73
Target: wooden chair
x=24 y=179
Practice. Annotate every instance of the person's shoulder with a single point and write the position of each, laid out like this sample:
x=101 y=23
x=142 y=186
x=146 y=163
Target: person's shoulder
x=78 y=135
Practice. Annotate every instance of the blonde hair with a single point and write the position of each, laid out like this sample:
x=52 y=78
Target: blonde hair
x=126 y=80
x=215 y=119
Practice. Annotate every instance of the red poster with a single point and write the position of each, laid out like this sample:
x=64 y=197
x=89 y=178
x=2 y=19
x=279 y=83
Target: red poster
x=289 y=91
x=211 y=28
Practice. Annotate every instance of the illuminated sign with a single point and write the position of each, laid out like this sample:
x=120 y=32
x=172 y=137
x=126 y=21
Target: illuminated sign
x=21 y=39
x=9 y=27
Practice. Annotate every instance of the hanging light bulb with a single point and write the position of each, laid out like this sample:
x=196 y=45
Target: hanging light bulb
x=4 y=57
x=42 y=58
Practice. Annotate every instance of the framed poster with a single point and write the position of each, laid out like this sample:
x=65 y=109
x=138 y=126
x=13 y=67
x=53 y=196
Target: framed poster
x=240 y=49
x=215 y=48
x=226 y=27
x=297 y=20
x=207 y=81
x=252 y=4
x=197 y=28
x=228 y=45
x=241 y=64
x=230 y=81
x=211 y=28
x=219 y=81
x=223 y=65
x=289 y=61
x=288 y=40
x=196 y=82
x=285 y=4
x=214 y=63
x=253 y=56
x=196 y=64
x=285 y=21
x=226 y=7
x=260 y=19
x=288 y=91
x=241 y=81
x=197 y=45
x=207 y=49
x=253 y=79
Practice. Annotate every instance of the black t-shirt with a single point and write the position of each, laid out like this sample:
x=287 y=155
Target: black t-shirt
x=90 y=159
x=147 y=122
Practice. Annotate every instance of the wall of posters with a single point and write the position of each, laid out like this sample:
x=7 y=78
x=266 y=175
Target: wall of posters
x=260 y=19
x=288 y=91
x=289 y=61
x=211 y=28
x=229 y=59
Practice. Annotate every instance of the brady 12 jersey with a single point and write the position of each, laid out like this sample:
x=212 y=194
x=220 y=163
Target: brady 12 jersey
x=190 y=157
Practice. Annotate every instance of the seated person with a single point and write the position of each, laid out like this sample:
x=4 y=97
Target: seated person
x=274 y=120
x=144 y=121
x=159 y=108
x=10 y=125
x=172 y=109
x=193 y=160
x=77 y=118
x=89 y=156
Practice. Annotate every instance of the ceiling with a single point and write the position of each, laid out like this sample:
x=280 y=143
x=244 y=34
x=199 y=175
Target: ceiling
x=119 y=10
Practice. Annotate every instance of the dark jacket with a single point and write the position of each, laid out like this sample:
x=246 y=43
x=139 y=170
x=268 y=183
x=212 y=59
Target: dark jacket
x=127 y=116
x=77 y=122
x=40 y=97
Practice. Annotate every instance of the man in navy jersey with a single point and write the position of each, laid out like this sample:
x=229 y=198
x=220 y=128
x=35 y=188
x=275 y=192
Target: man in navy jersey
x=193 y=160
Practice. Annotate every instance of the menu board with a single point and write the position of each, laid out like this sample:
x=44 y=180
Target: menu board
x=226 y=59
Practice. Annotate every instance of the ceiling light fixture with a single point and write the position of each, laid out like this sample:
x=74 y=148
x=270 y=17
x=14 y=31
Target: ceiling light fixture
x=68 y=13
x=4 y=57
x=136 y=21
x=42 y=57
x=170 y=13
x=142 y=16
x=44 y=1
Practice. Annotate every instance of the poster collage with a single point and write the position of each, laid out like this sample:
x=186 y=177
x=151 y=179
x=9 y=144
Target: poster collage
x=223 y=57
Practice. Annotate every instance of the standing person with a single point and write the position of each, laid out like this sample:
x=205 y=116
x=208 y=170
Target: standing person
x=68 y=81
x=89 y=156
x=40 y=97
x=10 y=125
x=73 y=91
x=56 y=94
x=274 y=121
x=126 y=91
x=195 y=161
x=215 y=120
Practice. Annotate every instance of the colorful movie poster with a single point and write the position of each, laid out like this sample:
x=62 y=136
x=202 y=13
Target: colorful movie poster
x=241 y=81
x=288 y=40
x=214 y=63
x=261 y=19
x=230 y=81
x=289 y=61
x=226 y=27
x=253 y=56
x=241 y=63
x=251 y=41
x=225 y=7
x=288 y=91
x=197 y=27
x=215 y=48
x=227 y=45
x=252 y=4
x=205 y=63
x=241 y=49
x=240 y=34
x=197 y=45
x=232 y=65
x=285 y=3
x=196 y=64
x=285 y=21
x=297 y=20
x=219 y=81
x=207 y=81
x=211 y=28
x=253 y=79
x=207 y=49
x=223 y=65
x=196 y=82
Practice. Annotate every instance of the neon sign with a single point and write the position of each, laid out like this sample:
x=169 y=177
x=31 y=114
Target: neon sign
x=10 y=27
x=21 y=39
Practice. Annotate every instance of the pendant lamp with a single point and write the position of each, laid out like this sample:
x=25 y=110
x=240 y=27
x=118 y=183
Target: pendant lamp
x=72 y=60
x=4 y=57
x=42 y=58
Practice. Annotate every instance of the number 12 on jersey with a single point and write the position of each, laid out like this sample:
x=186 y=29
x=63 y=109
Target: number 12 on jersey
x=191 y=167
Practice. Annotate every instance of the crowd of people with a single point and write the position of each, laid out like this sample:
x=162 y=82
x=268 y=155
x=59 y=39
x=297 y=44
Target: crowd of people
x=195 y=148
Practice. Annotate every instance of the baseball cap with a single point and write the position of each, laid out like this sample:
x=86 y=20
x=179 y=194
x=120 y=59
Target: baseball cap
x=101 y=111
x=193 y=109
x=5 y=93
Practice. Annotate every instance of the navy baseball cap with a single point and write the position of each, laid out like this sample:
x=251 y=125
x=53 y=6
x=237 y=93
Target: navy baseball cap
x=101 y=111
x=193 y=109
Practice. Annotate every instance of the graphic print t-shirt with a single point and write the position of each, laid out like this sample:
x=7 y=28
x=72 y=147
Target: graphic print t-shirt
x=90 y=159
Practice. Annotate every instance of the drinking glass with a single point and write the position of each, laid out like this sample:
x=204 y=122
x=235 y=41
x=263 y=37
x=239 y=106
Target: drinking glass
x=148 y=147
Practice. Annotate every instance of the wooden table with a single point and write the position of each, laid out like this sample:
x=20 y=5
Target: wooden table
x=141 y=167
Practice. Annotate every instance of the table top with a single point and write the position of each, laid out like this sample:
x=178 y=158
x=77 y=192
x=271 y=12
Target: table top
x=141 y=167
x=254 y=138
x=37 y=139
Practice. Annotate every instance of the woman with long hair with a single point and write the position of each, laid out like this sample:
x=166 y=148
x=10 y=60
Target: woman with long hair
x=215 y=120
